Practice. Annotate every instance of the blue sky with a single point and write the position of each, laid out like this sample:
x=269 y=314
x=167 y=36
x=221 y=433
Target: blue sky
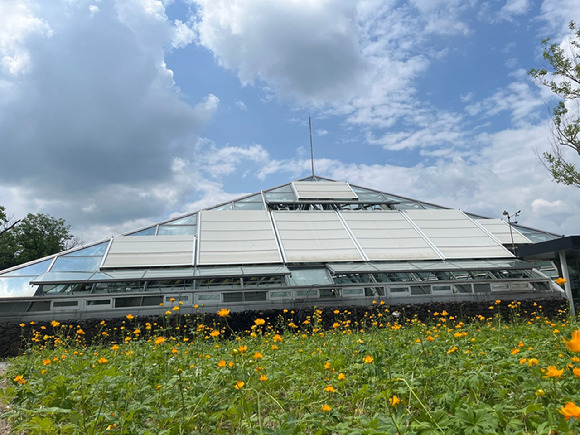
x=117 y=114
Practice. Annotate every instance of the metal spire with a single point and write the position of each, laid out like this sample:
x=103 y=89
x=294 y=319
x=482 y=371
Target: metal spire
x=311 y=150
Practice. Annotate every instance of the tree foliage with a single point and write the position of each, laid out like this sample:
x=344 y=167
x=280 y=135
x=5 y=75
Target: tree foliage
x=562 y=76
x=33 y=237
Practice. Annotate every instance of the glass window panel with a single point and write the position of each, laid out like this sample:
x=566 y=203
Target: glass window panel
x=65 y=304
x=98 y=302
x=128 y=302
x=208 y=297
x=253 y=198
x=16 y=307
x=255 y=296
x=95 y=250
x=228 y=206
x=40 y=306
x=76 y=264
x=233 y=297
x=420 y=290
x=281 y=294
x=249 y=206
x=352 y=291
x=310 y=293
x=151 y=301
x=310 y=276
x=177 y=230
x=31 y=270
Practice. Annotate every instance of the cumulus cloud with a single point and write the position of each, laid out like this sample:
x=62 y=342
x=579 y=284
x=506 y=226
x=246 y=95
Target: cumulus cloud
x=89 y=112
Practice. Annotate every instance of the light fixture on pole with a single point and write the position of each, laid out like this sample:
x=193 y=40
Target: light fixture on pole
x=509 y=218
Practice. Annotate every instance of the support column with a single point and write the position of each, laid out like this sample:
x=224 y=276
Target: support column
x=567 y=286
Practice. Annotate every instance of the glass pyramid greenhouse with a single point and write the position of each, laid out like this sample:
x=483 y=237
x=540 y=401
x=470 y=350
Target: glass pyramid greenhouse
x=313 y=241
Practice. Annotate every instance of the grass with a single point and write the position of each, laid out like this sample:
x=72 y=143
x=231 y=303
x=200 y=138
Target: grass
x=380 y=375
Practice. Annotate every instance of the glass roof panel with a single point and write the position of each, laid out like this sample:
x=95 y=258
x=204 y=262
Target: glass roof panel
x=310 y=276
x=62 y=277
x=253 y=198
x=145 y=232
x=177 y=230
x=95 y=250
x=76 y=264
x=31 y=270
x=249 y=206
x=323 y=190
x=14 y=287
x=187 y=220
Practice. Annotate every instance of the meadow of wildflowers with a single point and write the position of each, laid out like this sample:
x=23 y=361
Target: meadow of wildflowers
x=378 y=375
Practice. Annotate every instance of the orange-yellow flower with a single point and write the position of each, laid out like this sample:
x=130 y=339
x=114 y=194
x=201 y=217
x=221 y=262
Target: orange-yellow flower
x=574 y=344
x=326 y=408
x=55 y=324
x=222 y=363
x=259 y=322
x=532 y=362
x=330 y=389
x=214 y=333
x=46 y=362
x=130 y=316
x=341 y=376
x=576 y=371
x=20 y=379
x=223 y=312
x=561 y=281
x=239 y=385
x=368 y=359
x=570 y=409
x=160 y=340
x=103 y=360
x=394 y=400
x=553 y=372
x=515 y=350
x=263 y=378
x=258 y=355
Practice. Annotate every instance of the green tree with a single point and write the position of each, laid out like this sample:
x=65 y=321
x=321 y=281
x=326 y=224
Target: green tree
x=562 y=76
x=35 y=236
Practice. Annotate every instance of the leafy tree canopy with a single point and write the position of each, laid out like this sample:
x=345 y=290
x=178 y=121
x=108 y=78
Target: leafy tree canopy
x=562 y=76
x=33 y=237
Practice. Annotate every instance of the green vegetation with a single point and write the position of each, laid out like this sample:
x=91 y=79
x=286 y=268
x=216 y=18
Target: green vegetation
x=374 y=375
x=35 y=236
x=562 y=76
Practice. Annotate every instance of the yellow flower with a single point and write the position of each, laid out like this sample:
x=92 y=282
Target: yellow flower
x=243 y=349
x=223 y=312
x=263 y=378
x=570 y=410
x=553 y=372
x=103 y=360
x=222 y=363
x=540 y=392
x=573 y=344
x=46 y=362
x=326 y=408
x=160 y=340
x=576 y=371
x=532 y=362
x=330 y=389
x=561 y=281
x=341 y=376
x=115 y=347
x=20 y=379
x=258 y=355
x=259 y=322
x=175 y=308
x=515 y=350
x=174 y=350
x=394 y=400
x=54 y=323
x=327 y=365
x=368 y=359
x=453 y=349
x=168 y=313
x=239 y=385
x=130 y=316
x=214 y=333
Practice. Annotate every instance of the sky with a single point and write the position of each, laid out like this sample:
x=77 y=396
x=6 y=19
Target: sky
x=115 y=114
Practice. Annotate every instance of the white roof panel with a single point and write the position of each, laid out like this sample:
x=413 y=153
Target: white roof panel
x=387 y=235
x=501 y=230
x=315 y=236
x=150 y=251
x=455 y=235
x=237 y=237
x=323 y=190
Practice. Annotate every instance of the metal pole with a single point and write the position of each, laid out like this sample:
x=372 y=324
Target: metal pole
x=311 y=150
x=567 y=286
